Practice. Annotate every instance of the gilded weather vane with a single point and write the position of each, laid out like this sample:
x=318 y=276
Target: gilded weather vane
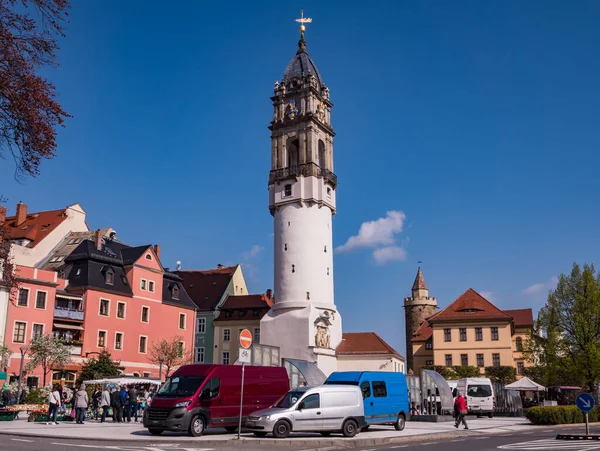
x=302 y=21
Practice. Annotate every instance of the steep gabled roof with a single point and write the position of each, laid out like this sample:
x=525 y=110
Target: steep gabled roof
x=364 y=343
x=419 y=281
x=470 y=305
x=244 y=307
x=55 y=259
x=206 y=287
x=423 y=333
x=36 y=226
x=522 y=317
x=170 y=281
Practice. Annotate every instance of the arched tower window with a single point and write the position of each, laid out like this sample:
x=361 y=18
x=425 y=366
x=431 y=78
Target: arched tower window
x=322 y=158
x=292 y=153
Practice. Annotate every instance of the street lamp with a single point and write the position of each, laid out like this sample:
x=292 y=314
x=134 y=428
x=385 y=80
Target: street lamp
x=23 y=350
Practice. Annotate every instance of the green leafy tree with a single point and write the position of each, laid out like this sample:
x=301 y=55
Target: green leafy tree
x=98 y=368
x=503 y=374
x=48 y=352
x=571 y=324
x=465 y=371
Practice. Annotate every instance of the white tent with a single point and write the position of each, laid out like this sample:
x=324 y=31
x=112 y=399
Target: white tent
x=525 y=384
x=123 y=381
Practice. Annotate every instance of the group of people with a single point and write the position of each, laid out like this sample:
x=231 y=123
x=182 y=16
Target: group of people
x=125 y=402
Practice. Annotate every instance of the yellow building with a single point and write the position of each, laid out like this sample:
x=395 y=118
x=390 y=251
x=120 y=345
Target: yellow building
x=236 y=314
x=472 y=331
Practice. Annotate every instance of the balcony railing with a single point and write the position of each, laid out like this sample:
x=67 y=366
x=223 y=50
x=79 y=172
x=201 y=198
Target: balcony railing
x=75 y=349
x=305 y=170
x=68 y=313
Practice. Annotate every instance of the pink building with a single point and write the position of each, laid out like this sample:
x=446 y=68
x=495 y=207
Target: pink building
x=102 y=294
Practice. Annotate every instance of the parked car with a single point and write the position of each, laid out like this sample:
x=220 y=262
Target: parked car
x=197 y=397
x=385 y=395
x=323 y=409
x=479 y=393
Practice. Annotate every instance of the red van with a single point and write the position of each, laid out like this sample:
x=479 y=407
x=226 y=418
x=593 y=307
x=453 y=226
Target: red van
x=197 y=397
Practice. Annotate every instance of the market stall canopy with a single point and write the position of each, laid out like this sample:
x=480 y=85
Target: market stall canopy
x=123 y=381
x=525 y=384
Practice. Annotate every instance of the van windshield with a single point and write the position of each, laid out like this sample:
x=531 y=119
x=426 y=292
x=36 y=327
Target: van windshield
x=289 y=399
x=181 y=386
x=479 y=391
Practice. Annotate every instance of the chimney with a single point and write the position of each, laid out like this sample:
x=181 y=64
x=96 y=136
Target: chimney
x=21 y=213
x=157 y=250
x=98 y=240
x=220 y=266
x=269 y=293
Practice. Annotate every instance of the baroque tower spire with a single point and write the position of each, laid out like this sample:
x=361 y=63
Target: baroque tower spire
x=303 y=321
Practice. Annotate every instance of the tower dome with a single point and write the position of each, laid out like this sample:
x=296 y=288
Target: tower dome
x=301 y=66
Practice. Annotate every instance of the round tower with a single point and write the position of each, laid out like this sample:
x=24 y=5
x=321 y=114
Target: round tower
x=303 y=321
x=417 y=309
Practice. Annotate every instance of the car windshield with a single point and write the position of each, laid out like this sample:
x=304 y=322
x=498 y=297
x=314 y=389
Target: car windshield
x=289 y=399
x=181 y=386
x=479 y=391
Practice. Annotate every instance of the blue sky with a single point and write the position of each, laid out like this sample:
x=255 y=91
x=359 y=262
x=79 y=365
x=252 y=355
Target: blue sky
x=476 y=124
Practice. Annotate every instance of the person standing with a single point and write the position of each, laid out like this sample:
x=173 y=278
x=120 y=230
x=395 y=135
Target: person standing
x=460 y=406
x=54 y=403
x=132 y=407
x=104 y=403
x=81 y=404
x=124 y=402
x=96 y=401
x=116 y=402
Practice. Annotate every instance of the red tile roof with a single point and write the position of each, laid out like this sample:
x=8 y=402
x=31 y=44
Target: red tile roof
x=244 y=307
x=470 y=305
x=361 y=343
x=419 y=281
x=522 y=317
x=423 y=333
x=36 y=225
x=206 y=288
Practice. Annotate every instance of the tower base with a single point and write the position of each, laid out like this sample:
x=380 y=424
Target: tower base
x=304 y=331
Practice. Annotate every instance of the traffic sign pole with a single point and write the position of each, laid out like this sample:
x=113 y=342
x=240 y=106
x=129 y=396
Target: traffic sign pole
x=587 y=425
x=245 y=343
x=585 y=402
x=242 y=402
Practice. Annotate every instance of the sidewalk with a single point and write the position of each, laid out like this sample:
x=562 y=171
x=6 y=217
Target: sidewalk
x=376 y=435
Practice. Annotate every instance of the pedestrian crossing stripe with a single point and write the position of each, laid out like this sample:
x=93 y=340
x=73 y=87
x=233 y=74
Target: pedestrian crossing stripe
x=549 y=444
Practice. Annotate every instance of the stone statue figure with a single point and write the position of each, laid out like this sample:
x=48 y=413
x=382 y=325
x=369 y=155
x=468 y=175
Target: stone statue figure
x=322 y=338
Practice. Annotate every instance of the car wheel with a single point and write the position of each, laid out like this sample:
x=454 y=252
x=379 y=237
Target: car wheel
x=231 y=428
x=155 y=431
x=365 y=428
x=326 y=433
x=491 y=415
x=197 y=426
x=260 y=434
x=281 y=429
x=350 y=428
x=400 y=422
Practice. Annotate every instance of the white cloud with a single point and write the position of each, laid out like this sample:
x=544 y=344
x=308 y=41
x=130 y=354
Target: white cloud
x=376 y=233
x=253 y=252
x=388 y=254
x=538 y=289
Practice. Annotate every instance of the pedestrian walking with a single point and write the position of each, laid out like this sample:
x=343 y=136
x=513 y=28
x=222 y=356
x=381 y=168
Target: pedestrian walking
x=54 y=403
x=460 y=407
x=132 y=406
x=104 y=403
x=116 y=402
x=81 y=404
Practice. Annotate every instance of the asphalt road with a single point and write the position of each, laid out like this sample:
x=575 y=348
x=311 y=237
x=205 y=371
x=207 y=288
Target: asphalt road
x=543 y=439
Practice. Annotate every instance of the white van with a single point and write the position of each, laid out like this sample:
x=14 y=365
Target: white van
x=453 y=385
x=479 y=393
x=324 y=409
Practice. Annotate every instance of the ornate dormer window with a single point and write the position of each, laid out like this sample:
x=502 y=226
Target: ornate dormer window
x=109 y=277
x=175 y=292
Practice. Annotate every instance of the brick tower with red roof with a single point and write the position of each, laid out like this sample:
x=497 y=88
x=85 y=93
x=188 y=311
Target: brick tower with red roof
x=417 y=309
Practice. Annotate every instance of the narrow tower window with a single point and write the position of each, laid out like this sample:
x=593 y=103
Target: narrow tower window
x=325 y=248
x=293 y=268
x=328 y=270
x=322 y=161
x=289 y=223
x=285 y=247
x=287 y=190
x=308 y=295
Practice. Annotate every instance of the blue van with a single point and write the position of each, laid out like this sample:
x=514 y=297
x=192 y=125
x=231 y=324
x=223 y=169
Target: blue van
x=385 y=395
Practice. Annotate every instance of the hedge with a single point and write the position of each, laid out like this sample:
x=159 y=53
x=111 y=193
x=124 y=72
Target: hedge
x=560 y=415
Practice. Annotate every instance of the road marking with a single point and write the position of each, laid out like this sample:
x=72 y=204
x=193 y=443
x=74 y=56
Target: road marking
x=21 y=440
x=401 y=446
x=481 y=438
x=547 y=444
x=461 y=440
x=136 y=448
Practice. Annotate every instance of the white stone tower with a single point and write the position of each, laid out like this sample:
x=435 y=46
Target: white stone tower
x=303 y=321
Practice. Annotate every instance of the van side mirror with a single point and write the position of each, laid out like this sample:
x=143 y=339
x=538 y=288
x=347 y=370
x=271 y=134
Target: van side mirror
x=301 y=405
x=205 y=394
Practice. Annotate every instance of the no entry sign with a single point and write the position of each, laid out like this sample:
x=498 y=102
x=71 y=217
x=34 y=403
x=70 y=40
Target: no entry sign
x=245 y=339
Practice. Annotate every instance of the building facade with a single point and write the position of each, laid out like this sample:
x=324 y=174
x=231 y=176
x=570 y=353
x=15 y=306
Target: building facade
x=304 y=321
x=209 y=289
x=471 y=331
x=236 y=314
x=367 y=351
